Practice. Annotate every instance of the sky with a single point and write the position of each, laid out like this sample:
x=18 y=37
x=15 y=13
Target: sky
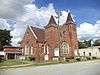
x=85 y=10
x=16 y=15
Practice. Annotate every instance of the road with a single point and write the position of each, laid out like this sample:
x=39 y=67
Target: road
x=80 y=68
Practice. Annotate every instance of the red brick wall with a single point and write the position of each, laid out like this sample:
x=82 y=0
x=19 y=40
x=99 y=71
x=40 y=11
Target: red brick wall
x=29 y=39
x=71 y=38
x=51 y=38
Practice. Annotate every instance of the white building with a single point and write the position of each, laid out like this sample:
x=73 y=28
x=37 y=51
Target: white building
x=2 y=53
x=90 y=51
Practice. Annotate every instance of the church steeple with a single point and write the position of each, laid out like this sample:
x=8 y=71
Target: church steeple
x=52 y=22
x=69 y=18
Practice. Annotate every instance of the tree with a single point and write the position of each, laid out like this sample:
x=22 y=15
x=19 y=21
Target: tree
x=87 y=43
x=81 y=45
x=97 y=42
x=5 y=38
x=84 y=44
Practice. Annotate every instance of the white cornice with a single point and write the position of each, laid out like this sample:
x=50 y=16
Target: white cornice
x=33 y=32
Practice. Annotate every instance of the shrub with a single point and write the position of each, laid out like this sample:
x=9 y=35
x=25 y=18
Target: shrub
x=78 y=59
x=67 y=60
x=94 y=58
x=88 y=58
x=31 y=58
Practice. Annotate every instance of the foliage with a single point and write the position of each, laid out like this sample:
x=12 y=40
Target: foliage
x=88 y=58
x=87 y=43
x=97 y=42
x=94 y=58
x=12 y=62
x=31 y=58
x=5 y=38
x=84 y=44
x=78 y=59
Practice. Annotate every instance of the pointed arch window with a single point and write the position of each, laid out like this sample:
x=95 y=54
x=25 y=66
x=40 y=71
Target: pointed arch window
x=46 y=49
x=65 y=48
x=64 y=33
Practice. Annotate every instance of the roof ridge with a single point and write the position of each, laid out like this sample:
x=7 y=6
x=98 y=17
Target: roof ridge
x=38 y=33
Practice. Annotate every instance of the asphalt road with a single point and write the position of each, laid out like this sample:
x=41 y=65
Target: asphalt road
x=80 y=68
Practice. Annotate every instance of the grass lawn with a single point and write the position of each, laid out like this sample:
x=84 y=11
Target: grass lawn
x=26 y=63
x=12 y=62
x=46 y=63
x=23 y=63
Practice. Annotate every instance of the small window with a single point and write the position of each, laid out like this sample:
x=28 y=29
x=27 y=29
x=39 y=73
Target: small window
x=46 y=50
x=89 y=54
x=99 y=49
x=84 y=53
x=64 y=32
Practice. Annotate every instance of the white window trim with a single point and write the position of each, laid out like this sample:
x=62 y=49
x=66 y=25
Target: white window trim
x=31 y=50
x=32 y=32
x=46 y=48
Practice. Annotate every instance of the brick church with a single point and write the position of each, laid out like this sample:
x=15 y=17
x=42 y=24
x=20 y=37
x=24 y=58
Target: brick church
x=51 y=43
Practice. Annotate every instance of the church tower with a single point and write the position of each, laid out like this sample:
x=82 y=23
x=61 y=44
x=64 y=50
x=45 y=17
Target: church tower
x=69 y=36
x=51 y=35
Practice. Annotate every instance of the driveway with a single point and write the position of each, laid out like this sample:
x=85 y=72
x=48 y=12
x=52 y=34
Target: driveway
x=79 y=68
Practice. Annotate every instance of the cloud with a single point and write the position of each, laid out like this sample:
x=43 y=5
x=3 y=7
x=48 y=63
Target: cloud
x=30 y=14
x=4 y=24
x=34 y=16
x=88 y=31
x=12 y=8
x=39 y=17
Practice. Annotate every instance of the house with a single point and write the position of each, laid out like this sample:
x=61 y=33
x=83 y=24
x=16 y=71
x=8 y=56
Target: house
x=12 y=52
x=90 y=52
x=51 y=43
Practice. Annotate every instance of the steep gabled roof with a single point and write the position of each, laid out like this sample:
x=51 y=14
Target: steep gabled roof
x=52 y=22
x=39 y=33
x=69 y=19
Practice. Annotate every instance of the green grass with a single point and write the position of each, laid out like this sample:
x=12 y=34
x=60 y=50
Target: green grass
x=12 y=62
x=25 y=63
x=45 y=63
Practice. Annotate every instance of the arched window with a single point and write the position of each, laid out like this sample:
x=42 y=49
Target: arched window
x=65 y=48
x=64 y=33
x=46 y=49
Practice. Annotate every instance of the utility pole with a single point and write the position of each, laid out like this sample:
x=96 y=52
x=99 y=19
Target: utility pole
x=58 y=27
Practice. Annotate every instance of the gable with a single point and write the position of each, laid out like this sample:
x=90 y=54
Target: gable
x=38 y=34
x=28 y=34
